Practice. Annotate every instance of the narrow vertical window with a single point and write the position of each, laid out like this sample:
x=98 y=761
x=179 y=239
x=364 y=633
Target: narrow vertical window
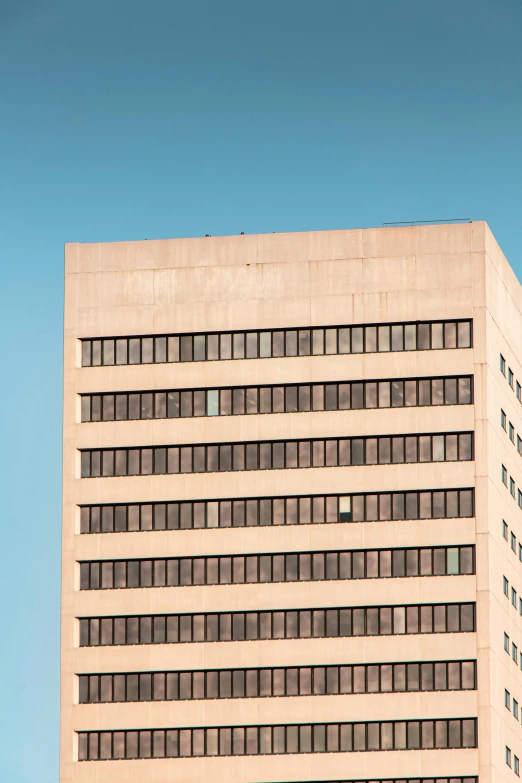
x=213 y=402
x=86 y=353
x=265 y=345
x=345 y=509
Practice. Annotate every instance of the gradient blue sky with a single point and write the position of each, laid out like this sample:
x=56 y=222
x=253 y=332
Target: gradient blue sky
x=134 y=119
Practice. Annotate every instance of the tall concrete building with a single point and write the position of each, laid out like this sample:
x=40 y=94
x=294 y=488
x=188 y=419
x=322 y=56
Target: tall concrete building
x=292 y=509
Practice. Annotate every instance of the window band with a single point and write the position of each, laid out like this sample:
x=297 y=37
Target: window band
x=273 y=568
x=245 y=400
x=293 y=738
x=275 y=455
x=421 y=676
x=266 y=511
x=307 y=341
x=277 y=624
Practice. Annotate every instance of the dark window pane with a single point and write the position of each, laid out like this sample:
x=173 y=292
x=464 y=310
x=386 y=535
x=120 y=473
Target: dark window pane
x=465 y=447
x=95 y=463
x=450 y=391
x=252 y=400
x=173 y=349
x=291 y=343
x=436 y=336
x=147 y=350
x=304 y=398
x=437 y=391
x=278 y=455
x=344 y=340
x=410 y=337
x=304 y=342
x=318 y=341
x=466 y=503
x=464 y=391
x=370 y=337
x=464 y=334
x=96 y=352
x=86 y=464
x=225 y=341
x=160 y=349
x=384 y=450
x=318 y=397
x=357 y=401
x=291 y=399
x=357 y=339
x=423 y=337
x=199 y=348
x=186 y=348
x=384 y=338
x=134 y=350
x=397 y=394
x=239 y=346
x=86 y=353
x=397 y=337
x=450 y=335
x=330 y=339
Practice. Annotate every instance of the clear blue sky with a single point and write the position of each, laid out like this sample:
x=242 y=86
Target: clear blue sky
x=133 y=119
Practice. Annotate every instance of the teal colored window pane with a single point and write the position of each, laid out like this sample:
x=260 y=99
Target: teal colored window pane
x=213 y=403
x=453 y=561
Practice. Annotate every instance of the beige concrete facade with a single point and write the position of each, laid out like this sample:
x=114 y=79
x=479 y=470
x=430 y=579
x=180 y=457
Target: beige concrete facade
x=332 y=278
